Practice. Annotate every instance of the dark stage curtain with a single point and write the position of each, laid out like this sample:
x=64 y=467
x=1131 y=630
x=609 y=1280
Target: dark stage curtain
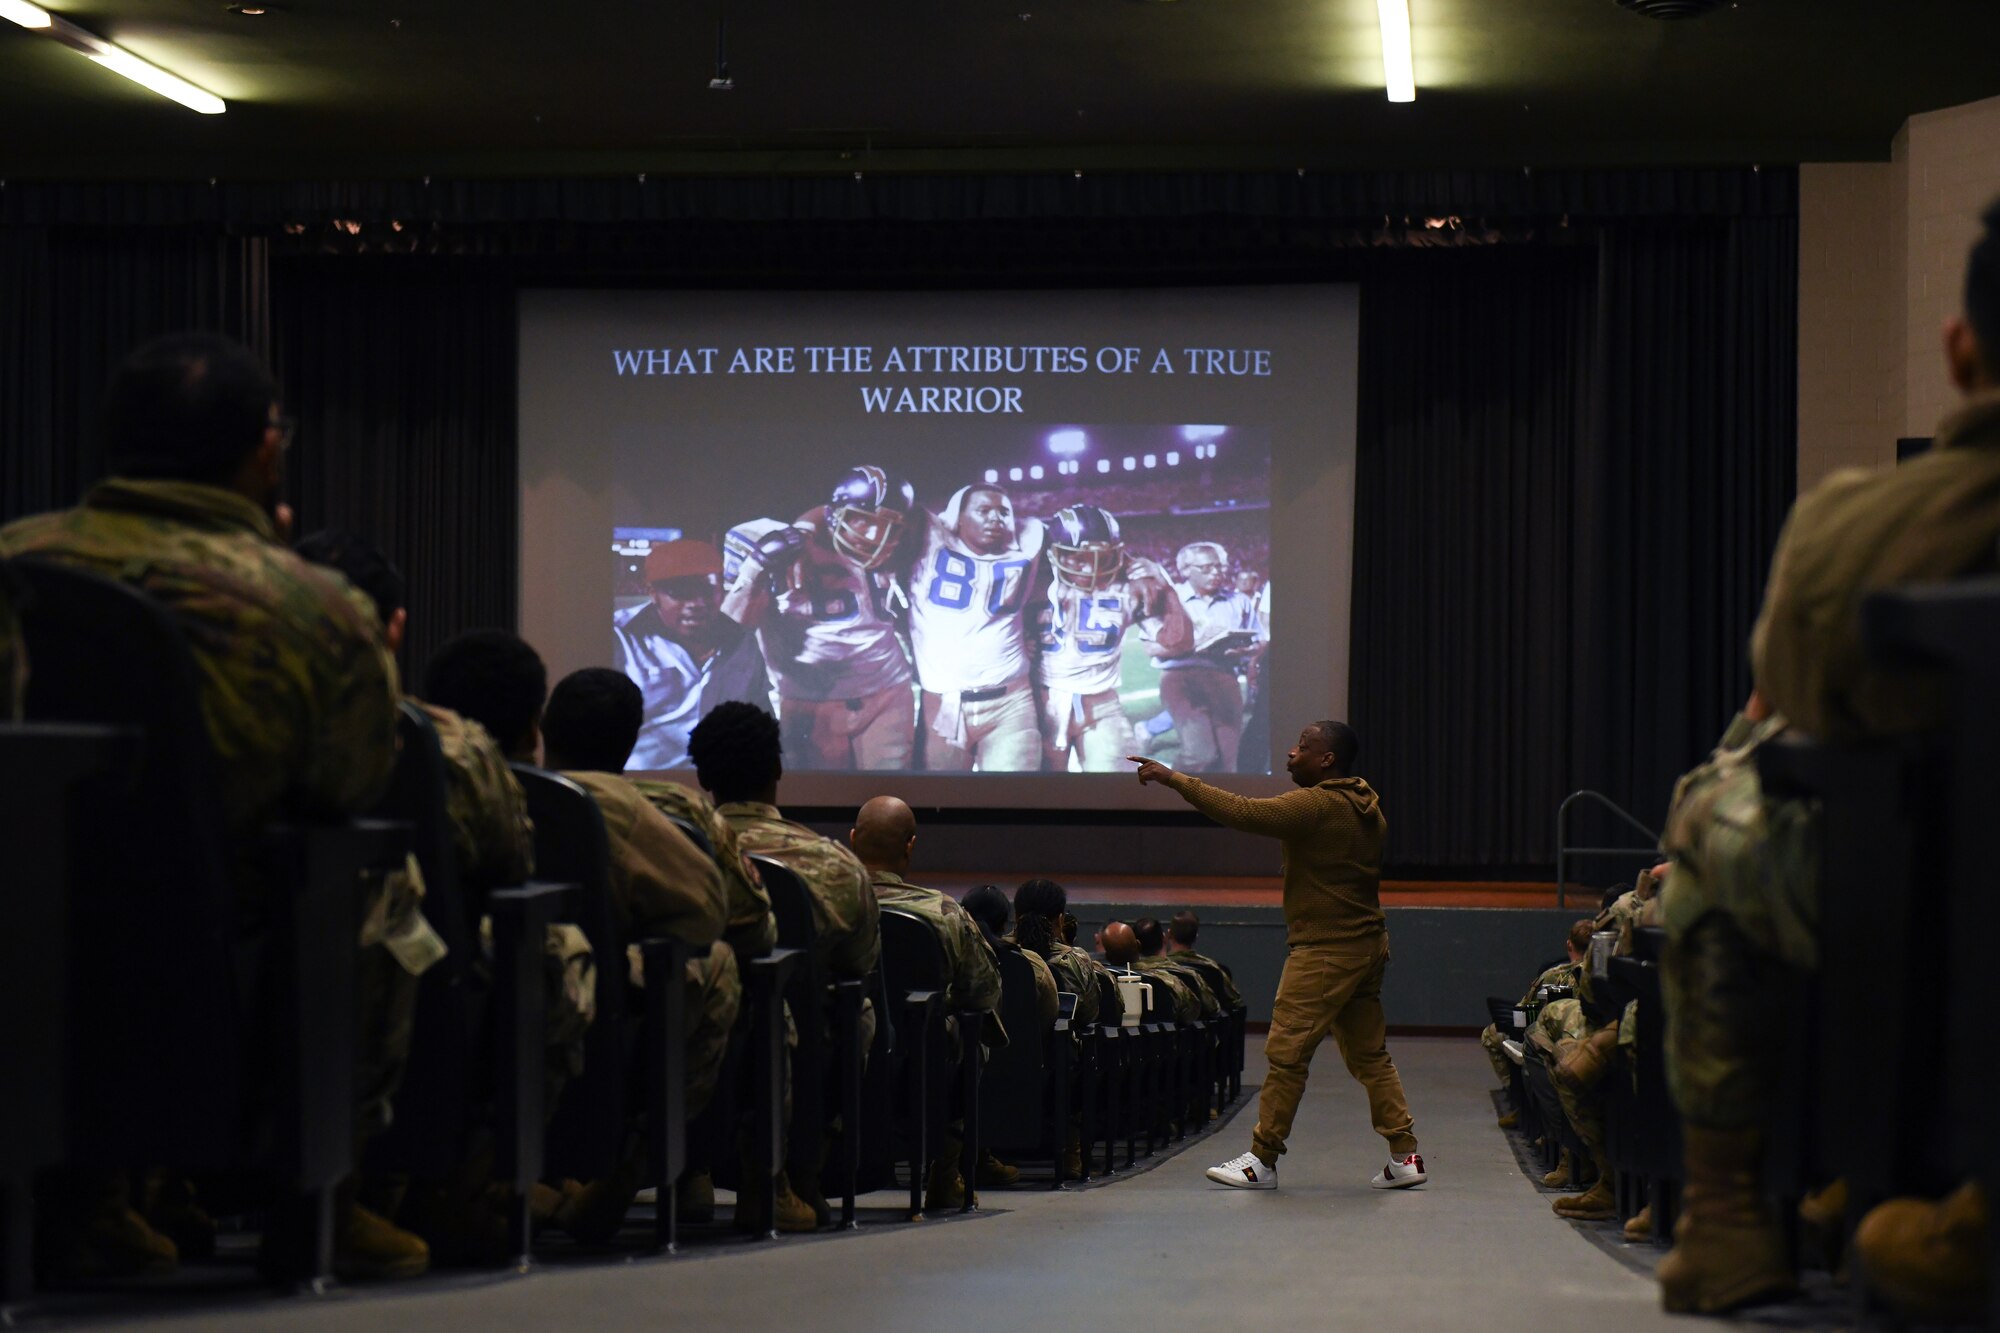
x=72 y=302
x=401 y=373
x=1572 y=470
x=1577 y=426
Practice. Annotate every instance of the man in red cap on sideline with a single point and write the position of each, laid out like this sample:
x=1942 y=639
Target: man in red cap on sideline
x=682 y=653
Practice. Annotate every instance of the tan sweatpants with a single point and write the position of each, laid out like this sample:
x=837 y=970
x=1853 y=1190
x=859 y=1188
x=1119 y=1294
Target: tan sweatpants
x=1337 y=990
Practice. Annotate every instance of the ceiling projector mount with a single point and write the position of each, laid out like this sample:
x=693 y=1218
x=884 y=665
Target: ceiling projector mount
x=1673 y=9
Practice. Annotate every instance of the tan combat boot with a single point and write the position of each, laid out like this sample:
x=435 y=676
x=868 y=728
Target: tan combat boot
x=1072 y=1156
x=1823 y=1215
x=1639 y=1226
x=1595 y=1204
x=1563 y=1177
x=1927 y=1259
x=1509 y=1119
x=369 y=1247
x=1727 y=1249
x=944 y=1190
x=994 y=1172
x=1584 y=1065
x=789 y=1213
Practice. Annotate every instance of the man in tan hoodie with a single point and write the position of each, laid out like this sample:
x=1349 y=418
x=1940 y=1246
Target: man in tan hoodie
x=1331 y=831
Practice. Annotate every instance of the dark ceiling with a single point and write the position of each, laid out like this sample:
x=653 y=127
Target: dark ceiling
x=321 y=88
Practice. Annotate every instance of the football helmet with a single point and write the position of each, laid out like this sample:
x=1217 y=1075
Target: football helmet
x=1086 y=549
x=866 y=513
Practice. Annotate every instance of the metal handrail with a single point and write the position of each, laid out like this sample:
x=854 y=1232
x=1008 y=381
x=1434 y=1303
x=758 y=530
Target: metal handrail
x=1564 y=851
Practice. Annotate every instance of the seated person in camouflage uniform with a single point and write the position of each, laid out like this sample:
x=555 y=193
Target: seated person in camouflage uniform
x=495 y=684
x=1741 y=902
x=738 y=758
x=1562 y=974
x=1181 y=934
x=1120 y=946
x=494 y=844
x=987 y=905
x=1154 y=958
x=662 y=883
x=883 y=837
x=298 y=692
x=1039 y=908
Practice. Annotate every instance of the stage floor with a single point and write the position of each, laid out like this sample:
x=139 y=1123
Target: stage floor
x=1266 y=891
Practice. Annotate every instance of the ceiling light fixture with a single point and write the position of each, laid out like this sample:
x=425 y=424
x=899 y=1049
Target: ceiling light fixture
x=113 y=57
x=1397 y=73
x=25 y=14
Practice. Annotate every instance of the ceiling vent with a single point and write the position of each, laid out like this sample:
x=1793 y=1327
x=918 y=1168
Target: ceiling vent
x=1673 y=9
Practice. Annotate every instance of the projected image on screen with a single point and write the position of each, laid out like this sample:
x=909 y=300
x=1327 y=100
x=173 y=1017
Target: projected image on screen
x=982 y=597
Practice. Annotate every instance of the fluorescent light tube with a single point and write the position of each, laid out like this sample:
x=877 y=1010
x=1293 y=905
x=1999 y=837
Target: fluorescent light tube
x=120 y=61
x=25 y=14
x=1397 y=73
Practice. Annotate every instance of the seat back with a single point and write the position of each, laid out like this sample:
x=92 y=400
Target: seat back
x=587 y=1132
x=156 y=866
x=791 y=903
x=435 y=1103
x=1013 y=1087
x=913 y=957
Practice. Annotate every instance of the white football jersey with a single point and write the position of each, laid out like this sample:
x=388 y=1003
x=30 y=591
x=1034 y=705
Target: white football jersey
x=1081 y=635
x=829 y=633
x=966 y=622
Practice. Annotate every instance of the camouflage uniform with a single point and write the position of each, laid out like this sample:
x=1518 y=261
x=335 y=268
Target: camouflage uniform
x=845 y=914
x=297 y=690
x=975 y=977
x=752 y=931
x=1230 y=997
x=1187 y=1002
x=661 y=884
x=1562 y=974
x=1741 y=900
x=1076 y=971
x=1047 y=1006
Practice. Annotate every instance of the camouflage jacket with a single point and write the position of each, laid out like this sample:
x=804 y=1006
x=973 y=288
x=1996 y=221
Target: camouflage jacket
x=844 y=908
x=490 y=828
x=1046 y=1004
x=975 y=978
x=1935 y=517
x=1562 y=974
x=753 y=929
x=1077 y=972
x=298 y=691
x=1188 y=1004
x=661 y=884
x=1214 y=973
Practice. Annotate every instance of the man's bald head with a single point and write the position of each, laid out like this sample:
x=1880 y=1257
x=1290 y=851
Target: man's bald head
x=883 y=833
x=1121 y=945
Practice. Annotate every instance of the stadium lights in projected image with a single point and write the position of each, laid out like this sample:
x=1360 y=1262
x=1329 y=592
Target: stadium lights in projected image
x=1173 y=458
x=1103 y=465
x=993 y=474
x=1068 y=441
x=1203 y=434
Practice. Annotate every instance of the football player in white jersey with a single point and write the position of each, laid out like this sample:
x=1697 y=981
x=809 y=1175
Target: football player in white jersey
x=1091 y=594
x=968 y=586
x=821 y=595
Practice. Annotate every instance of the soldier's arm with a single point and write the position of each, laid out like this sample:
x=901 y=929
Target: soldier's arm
x=675 y=890
x=351 y=749
x=1287 y=816
x=857 y=952
x=977 y=984
x=753 y=927
x=489 y=813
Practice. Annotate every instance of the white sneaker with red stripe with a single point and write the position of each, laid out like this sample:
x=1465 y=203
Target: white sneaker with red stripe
x=1245 y=1173
x=1401 y=1173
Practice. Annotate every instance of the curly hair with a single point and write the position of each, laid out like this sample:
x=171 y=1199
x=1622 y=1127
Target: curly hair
x=737 y=753
x=1040 y=897
x=1036 y=934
